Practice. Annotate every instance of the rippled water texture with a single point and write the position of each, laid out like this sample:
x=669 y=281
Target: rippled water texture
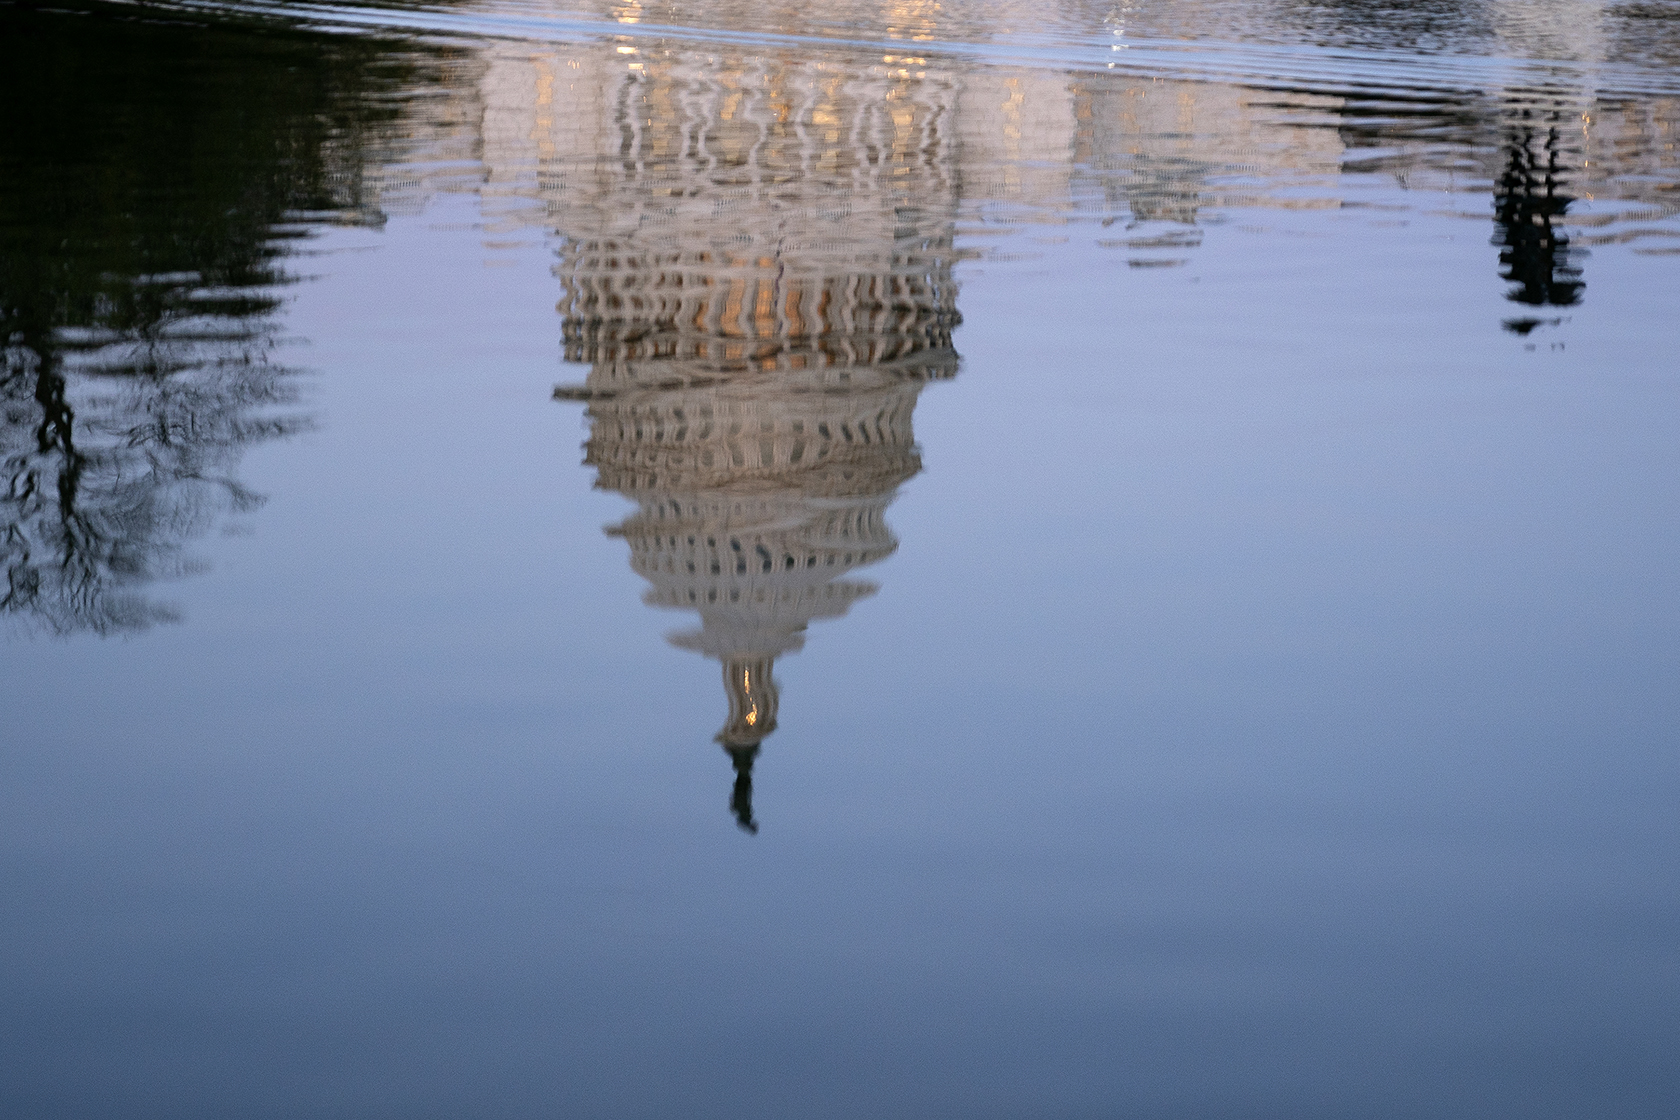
x=1155 y=526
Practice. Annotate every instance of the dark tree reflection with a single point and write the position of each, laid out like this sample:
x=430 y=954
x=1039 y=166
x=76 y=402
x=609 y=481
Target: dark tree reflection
x=1528 y=200
x=145 y=197
x=101 y=493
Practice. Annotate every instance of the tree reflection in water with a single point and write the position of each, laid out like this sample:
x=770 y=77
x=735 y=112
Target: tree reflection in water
x=1528 y=200
x=145 y=203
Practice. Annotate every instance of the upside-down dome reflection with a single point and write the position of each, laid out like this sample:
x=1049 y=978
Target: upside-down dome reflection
x=759 y=276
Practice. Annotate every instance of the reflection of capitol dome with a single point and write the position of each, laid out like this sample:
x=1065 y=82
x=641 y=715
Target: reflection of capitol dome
x=756 y=344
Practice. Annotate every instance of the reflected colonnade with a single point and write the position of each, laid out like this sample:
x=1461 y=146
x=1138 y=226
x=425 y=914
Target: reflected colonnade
x=757 y=268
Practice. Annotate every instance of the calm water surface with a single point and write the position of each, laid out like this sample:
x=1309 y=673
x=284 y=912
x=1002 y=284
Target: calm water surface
x=963 y=559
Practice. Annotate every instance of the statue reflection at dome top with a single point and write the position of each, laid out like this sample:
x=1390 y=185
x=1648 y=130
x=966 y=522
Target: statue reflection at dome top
x=757 y=342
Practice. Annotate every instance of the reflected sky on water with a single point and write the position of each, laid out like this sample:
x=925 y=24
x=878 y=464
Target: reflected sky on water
x=1180 y=498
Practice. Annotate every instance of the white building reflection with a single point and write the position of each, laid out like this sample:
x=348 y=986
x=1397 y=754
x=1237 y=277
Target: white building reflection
x=756 y=268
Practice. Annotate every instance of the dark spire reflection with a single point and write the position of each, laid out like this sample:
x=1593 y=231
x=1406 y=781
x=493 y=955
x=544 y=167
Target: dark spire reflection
x=740 y=797
x=142 y=202
x=1529 y=197
x=757 y=339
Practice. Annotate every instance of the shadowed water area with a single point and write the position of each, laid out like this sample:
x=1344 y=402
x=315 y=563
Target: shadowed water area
x=1155 y=528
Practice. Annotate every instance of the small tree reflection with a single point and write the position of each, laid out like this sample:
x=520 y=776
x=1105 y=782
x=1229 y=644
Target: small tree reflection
x=1534 y=257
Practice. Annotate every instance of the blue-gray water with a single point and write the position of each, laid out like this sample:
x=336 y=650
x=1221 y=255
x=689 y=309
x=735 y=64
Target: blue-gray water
x=1165 y=519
